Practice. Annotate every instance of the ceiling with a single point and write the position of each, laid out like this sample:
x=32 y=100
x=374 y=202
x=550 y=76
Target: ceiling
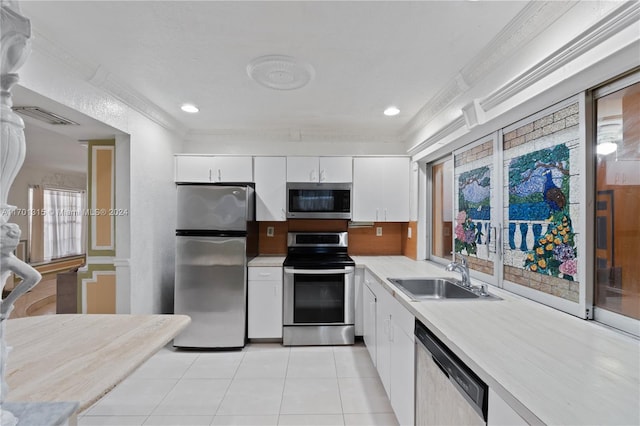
x=366 y=56
x=431 y=59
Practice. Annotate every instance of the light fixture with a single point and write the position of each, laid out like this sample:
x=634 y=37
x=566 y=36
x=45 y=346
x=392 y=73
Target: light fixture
x=190 y=108
x=280 y=72
x=606 y=148
x=391 y=111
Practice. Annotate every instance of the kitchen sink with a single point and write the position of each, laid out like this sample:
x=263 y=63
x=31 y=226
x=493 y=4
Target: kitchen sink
x=436 y=289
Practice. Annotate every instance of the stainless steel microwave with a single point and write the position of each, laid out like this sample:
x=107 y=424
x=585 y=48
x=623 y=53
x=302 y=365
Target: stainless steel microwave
x=319 y=200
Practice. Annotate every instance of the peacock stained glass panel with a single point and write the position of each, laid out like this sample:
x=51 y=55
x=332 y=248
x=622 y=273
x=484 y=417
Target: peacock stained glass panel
x=474 y=210
x=539 y=219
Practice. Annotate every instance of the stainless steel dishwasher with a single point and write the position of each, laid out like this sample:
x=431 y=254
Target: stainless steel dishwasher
x=447 y=391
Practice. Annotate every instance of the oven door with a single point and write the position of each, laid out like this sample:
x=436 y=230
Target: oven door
x=319 y=296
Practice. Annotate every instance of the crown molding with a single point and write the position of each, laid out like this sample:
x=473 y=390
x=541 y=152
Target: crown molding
x=288 y=135
x=445 y=131
x=532 y=20
x=527 y=25
x=613 y=23
x=100 y=78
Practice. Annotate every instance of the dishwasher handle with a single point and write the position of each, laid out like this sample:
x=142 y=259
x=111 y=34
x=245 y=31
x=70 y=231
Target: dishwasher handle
x=440 y=366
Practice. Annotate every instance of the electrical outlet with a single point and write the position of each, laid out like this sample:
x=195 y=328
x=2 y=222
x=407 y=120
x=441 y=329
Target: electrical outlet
x=409 y=232
x=378 y=231
x=270 y=231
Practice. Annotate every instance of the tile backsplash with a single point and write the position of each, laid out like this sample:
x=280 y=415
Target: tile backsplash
x=363 y=240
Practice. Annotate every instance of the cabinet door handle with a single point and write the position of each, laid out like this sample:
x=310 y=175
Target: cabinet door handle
x=322 y=175
x=219 y=175
x=209 y=175
x=265 y=274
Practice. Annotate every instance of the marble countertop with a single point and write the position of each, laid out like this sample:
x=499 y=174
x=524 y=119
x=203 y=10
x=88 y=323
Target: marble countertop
x=81 y=357
x=549 y=366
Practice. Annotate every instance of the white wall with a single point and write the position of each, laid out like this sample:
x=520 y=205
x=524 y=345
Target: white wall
x=152 y=200
x=282 y=145
x=153 y=216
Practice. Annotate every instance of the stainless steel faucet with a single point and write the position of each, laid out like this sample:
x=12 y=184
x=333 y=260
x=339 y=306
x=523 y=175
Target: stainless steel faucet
x=463 y=268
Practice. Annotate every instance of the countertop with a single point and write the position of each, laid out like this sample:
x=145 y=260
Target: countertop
x=551 y=367
x=267 y=261
x=78 y=357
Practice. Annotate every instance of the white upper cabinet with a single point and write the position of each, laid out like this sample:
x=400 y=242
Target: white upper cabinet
x=206 y=168
x=270 y=177
x=319 y=169
x=192 y=168
x=381 y=189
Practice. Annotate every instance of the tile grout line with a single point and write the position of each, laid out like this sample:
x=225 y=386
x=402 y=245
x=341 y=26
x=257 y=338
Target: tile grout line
x=284 y=384
x=226 y=391
x=172 y=388
x=335 y=364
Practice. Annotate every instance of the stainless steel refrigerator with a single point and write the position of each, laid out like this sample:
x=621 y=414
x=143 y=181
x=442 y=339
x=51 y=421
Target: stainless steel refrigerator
x=216 y=236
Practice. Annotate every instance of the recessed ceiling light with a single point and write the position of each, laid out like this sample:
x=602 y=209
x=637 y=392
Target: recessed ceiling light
x=606 y=148
x=189 y=108
x=391 y=111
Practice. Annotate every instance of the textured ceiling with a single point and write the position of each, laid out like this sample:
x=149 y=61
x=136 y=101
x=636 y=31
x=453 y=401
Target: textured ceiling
x=366 y=55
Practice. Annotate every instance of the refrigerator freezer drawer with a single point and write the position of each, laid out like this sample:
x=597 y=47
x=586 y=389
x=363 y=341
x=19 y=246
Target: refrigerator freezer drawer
x=214 y=207
x=211 y=287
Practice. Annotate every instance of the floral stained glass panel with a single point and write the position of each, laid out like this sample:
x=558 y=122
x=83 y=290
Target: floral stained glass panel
x=540 y=223
x=474 y=210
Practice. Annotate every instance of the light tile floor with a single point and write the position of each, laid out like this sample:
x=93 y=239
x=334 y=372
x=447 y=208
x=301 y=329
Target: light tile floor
x=264 y=384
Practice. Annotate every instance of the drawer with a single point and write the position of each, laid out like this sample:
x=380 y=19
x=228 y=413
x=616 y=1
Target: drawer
x=265 y=273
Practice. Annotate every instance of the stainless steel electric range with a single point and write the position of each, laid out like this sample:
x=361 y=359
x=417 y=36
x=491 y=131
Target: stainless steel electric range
x=319 y=290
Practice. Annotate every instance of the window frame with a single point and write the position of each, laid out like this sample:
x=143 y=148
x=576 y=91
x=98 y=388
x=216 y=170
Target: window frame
x=429 y=209
x=599 y=314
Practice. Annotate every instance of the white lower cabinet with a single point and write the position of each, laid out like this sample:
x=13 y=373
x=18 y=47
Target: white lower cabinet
x=402 y=375
x=359 y=300
x=264 y=303
x=388 y=334
x=369 y=322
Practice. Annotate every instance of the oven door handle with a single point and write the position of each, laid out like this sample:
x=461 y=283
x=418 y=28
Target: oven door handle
x=345 y=270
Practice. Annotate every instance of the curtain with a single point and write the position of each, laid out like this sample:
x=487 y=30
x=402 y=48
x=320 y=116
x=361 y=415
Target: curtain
x=62 y=223
x=56 y=223
x=36 y=224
